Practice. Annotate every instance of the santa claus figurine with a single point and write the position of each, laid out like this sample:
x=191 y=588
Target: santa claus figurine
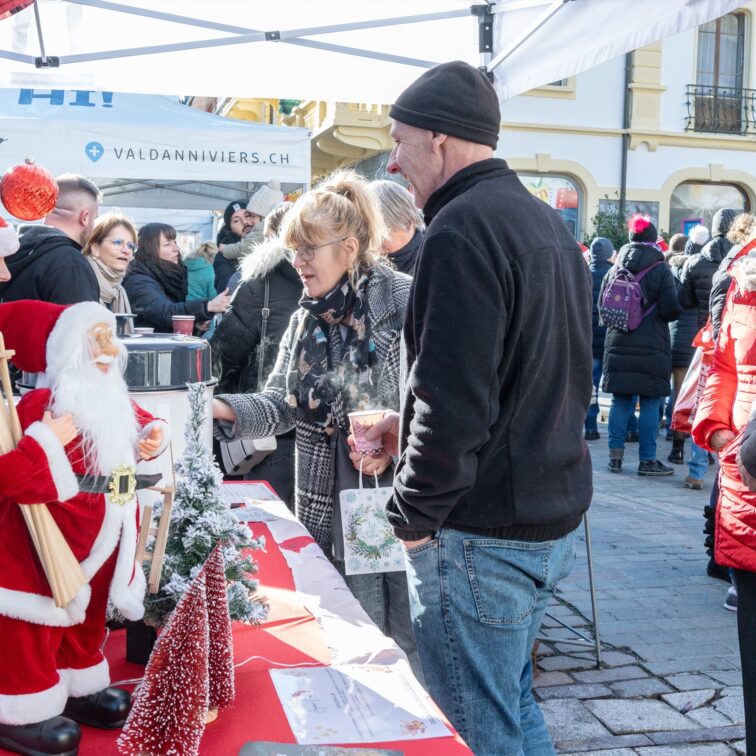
x=52 y=662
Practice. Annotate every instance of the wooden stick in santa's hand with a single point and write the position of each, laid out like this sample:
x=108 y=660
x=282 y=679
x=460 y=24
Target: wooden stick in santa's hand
x=62 y=569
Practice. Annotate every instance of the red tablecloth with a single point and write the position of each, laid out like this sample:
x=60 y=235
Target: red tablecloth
x=291 y=636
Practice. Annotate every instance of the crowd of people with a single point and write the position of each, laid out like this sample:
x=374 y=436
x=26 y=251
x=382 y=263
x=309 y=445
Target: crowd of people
x=454 y=308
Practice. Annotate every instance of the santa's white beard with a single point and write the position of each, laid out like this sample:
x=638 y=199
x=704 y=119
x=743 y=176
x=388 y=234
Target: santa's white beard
x=102 y=412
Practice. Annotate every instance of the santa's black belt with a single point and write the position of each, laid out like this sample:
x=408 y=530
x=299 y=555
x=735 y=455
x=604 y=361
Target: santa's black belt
x=103 y=484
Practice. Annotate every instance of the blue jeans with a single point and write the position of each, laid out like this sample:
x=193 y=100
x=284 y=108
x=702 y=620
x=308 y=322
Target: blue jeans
x=591 y=419
x=699 y=461
x=477 y=604
x=623 y=405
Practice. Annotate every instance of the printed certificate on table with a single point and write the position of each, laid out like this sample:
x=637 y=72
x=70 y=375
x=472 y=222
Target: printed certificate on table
x=356 y=703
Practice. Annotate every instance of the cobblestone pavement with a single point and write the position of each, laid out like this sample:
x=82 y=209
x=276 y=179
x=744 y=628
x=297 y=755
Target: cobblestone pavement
x=670 y=682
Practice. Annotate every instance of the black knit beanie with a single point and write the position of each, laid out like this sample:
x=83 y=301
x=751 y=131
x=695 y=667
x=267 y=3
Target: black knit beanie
x=455 y=99
x=641 y=229
x=231 y=209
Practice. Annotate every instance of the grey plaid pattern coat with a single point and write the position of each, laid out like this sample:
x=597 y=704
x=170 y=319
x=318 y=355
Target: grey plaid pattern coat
x=269 y=414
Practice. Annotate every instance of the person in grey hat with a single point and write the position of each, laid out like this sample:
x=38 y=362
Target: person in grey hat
x=494 y=474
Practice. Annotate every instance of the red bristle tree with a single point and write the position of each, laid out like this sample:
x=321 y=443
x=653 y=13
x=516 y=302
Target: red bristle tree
x=170 y=707
x=221 y=655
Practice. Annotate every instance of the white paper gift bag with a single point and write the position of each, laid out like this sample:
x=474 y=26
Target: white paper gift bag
x=369 y=542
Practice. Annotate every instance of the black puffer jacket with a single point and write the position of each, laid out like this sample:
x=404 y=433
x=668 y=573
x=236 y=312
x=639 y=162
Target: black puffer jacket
x=640 y=362
x=49 y=267
x=224 y=268
x=152 y=305
x=683 y=330
x=697 y=275
x=720 y=284
x=598 y=263
x=237 y=339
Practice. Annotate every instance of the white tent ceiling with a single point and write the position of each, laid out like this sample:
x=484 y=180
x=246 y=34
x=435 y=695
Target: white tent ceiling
x=365 y=51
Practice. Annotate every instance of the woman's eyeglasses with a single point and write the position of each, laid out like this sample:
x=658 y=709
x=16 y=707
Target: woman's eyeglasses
x=307 y=251
x=120 y=243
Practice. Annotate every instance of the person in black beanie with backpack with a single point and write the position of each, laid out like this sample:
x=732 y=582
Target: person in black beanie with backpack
x=639 y=362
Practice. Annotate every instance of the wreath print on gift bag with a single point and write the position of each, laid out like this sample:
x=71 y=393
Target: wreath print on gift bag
x=369 y=542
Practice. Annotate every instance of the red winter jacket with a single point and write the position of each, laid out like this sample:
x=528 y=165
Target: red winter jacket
x=726 y=405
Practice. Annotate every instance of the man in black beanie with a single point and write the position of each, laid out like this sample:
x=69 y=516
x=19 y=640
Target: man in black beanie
x=237 y=223
x=494 y=475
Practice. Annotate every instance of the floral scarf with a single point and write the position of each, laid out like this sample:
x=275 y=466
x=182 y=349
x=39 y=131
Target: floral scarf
x=325 y=385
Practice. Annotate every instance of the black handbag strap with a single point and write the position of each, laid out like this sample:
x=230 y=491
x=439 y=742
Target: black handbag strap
x=263 y=334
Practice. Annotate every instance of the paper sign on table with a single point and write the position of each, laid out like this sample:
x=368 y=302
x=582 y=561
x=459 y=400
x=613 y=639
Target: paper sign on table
x=254 y=513
x=233 y=492
x=289 y=749
x=356 y=703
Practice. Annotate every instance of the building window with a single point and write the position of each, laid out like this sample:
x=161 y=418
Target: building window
x=558 y=192
x=696 y=202
x=718 y=99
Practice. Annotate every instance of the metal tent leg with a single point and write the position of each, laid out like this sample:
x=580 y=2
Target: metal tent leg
x=592 y=587
x=581 y=639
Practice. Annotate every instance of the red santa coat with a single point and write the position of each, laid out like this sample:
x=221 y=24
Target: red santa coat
x=42 y=471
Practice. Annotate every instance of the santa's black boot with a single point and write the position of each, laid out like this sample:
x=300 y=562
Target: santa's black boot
x=106 y=709
x=58 y=736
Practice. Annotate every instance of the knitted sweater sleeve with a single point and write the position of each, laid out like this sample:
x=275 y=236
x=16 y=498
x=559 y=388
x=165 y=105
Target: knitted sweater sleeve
x=266 y=413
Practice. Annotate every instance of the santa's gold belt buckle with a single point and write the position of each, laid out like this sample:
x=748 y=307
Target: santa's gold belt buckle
x=122 y=485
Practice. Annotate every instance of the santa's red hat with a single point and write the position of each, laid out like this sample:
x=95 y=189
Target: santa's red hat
x=44 y=335
x=8 y=239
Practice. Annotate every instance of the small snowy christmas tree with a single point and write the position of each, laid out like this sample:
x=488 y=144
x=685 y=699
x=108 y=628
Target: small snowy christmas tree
x=170 y=706
x=199 y=521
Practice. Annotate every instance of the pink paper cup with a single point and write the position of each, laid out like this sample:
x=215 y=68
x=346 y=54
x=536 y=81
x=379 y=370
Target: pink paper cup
x=361 y=422
x=183 y=324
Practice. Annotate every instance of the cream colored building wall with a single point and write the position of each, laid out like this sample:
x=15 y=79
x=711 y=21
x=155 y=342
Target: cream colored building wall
x=581 y=136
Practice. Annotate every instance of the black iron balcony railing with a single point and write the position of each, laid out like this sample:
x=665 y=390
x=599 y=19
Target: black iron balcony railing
x=720 y=110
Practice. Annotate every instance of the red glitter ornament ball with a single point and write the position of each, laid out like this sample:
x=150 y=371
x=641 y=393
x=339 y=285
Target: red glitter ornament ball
x=28 y=191
x=9 y=7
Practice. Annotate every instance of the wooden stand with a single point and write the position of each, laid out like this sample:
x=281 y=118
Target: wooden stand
x=146 y=529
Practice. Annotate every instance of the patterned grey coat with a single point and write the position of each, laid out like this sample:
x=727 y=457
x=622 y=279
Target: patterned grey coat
x=269 y=414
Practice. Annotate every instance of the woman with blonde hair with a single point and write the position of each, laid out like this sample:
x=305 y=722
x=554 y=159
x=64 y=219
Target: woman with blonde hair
x=109 y=250
x=339 y=354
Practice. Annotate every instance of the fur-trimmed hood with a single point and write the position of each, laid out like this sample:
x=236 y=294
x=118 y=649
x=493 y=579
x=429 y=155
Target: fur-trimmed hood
x=264 y=259
x=744 y=272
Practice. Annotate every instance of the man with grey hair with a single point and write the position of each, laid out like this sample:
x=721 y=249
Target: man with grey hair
x=493 y=475
x=404 y=223
x=49 y=265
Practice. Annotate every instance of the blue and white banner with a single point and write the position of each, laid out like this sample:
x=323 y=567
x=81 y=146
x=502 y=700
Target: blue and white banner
x=109 y=134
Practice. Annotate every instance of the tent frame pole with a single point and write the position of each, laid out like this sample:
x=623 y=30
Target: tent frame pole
x=245 y=36
x=525 y=34
x=42 y=61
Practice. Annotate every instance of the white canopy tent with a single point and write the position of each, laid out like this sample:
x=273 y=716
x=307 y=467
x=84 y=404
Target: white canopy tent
x=365 y=51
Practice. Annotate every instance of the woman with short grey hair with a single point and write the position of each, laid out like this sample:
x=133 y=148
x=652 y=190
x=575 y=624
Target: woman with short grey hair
x=404 y=223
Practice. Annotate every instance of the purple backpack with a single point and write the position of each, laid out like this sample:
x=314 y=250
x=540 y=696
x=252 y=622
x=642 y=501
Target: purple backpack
x=621 y=307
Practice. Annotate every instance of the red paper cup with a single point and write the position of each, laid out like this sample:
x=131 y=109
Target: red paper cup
x=183 y=324
x=361 y=422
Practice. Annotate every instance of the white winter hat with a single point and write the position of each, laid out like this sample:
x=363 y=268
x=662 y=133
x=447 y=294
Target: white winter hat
x=265 y=198
x=8 y=239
